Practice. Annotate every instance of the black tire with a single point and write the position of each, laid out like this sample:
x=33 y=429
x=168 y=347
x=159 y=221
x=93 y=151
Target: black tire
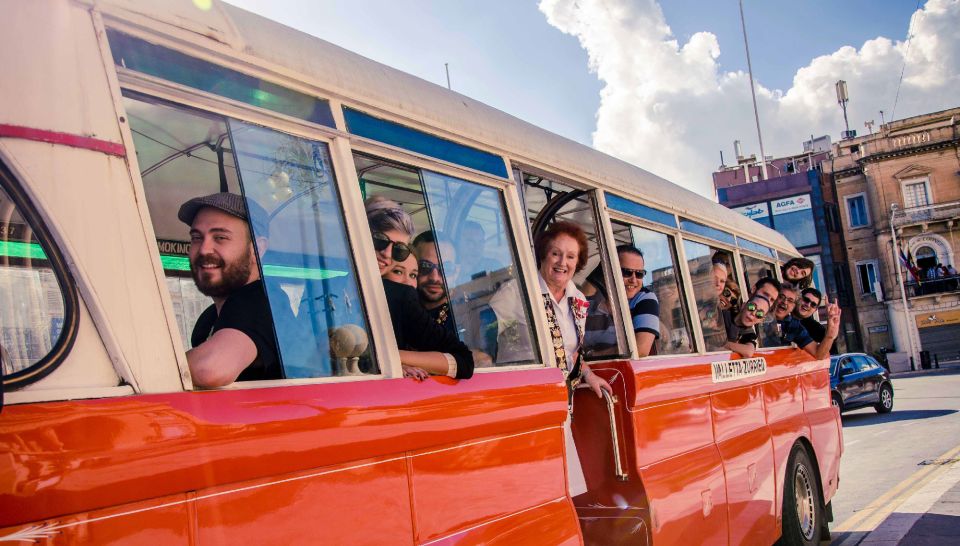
x=837 y=401
x=803 y=519
x=885 y=405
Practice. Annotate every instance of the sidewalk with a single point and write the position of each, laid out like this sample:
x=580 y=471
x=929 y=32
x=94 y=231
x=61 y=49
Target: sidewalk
x=945 y=367
x=931 y=516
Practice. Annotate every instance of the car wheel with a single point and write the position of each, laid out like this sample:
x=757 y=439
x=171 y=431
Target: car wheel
x=802 y=506
x=885 y=405
x=837 y=401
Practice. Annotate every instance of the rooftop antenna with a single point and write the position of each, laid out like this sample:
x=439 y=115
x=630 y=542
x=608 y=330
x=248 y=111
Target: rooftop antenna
x=869 y=126
x=843 y=98
x=446 y=66
x=763 y=156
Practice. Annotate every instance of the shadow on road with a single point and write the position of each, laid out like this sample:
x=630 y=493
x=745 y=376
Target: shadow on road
x=934 y=529
x=866 y=419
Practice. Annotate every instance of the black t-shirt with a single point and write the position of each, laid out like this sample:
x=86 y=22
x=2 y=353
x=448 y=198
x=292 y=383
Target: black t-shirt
x=737 y=333
x=248 y=311
x=416 y=330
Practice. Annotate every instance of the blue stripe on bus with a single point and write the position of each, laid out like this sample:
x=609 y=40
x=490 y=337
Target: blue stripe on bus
x=626 y=206
x=713 y=233
x=138 y=55
x=388 y=132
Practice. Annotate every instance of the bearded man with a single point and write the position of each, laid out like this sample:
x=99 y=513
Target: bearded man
x=233 y=339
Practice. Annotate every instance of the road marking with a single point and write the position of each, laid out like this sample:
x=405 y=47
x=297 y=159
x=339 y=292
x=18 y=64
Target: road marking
x=878 y=510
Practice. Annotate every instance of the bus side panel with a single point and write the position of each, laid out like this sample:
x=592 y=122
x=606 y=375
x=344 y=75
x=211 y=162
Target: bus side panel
x=824 y=428
x=744 y=443
x=671 y=429
x=360 y=503
x=158 y=521
x=537 y=525
x=78 y=456
x=783 y=400
x=688 y=499
x=456 y=488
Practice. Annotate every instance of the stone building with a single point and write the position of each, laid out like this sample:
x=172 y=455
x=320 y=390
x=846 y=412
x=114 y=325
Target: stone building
x=900 y=187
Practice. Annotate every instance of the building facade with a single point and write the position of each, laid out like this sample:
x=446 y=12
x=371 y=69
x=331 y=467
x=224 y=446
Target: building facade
x=798 y=201
x=898 y=192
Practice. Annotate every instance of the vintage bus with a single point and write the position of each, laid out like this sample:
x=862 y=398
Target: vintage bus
x=115 y=112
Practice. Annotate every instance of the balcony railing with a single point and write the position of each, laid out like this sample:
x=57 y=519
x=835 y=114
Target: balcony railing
x=926 y=214
x=931 y=287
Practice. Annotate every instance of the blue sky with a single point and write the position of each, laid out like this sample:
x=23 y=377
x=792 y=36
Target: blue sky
x=607 y=73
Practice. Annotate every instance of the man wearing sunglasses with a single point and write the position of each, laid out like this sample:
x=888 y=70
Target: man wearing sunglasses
x=742 y=328
x=431 y=286
x=806 y=312
x=792 y=331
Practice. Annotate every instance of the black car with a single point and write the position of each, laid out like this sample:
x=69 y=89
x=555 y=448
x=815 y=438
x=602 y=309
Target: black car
x=857 y=380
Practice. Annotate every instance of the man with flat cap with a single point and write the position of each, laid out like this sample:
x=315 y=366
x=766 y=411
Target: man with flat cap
x=233 y=339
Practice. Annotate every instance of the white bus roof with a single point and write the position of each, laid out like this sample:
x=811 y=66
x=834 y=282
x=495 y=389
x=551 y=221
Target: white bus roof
x=376 y=88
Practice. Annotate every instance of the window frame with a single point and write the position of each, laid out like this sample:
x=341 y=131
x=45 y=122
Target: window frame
x=847 y=199
x=925 y=180
x=876 y=274
x=10 y=181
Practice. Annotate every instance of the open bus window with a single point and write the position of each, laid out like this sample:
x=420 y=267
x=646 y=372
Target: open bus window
x=715 y=290
x=305 y=266
x=755 y=269
x=466 y=257
x=547 y=200
x=663 y=280
x=34 y=310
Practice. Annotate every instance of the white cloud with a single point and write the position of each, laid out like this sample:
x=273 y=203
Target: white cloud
x=667 y=107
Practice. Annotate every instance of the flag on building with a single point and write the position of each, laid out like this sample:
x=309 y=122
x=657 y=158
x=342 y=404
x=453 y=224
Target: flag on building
x=907 y=260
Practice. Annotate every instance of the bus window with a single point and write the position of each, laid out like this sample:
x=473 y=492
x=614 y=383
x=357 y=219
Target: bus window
x=663 y=280
x=468 y=276
x=548 y=200
x=307 y=266
x=755 y=269
x=33 y=329
x=316 y=316
x=715 y=289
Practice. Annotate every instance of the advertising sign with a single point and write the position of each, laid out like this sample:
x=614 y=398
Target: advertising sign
x=754 y=211
x=790 y=204
x=940 y=318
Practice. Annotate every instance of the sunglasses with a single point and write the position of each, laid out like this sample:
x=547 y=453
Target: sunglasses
x=810 y=302
x=425 y=267
x=638 y=273
x=757 y=312
x=400 y=251
x=727 y=292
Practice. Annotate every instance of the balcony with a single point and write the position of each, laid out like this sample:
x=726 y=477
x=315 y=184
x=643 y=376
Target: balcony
x=926 y=215
x=933 y=287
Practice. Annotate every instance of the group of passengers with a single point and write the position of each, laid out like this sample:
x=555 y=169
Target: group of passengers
x=233 y=342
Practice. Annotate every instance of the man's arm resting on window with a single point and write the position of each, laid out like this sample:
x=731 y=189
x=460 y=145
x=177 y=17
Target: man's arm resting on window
x=644 y=343
x=219 y=360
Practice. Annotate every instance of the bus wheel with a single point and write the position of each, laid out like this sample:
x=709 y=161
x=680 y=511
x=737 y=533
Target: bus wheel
x=802 y=506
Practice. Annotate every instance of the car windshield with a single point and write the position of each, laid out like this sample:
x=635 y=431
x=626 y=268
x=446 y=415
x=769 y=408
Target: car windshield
x=833 y=364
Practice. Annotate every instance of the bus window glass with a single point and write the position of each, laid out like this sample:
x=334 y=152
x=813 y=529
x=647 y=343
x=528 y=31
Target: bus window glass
x=663 y=280
x=755 y=269
x=307 y=268
x=715 y=289
x=33 y=312
x=604 y=331
x=179 y=152
x=478 y=263
x=465 y=258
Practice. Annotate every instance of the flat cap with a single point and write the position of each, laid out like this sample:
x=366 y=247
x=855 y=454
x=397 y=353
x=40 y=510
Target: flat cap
x=230 y=203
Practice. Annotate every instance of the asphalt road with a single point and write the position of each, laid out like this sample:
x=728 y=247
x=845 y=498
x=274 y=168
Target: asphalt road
x=886 y=457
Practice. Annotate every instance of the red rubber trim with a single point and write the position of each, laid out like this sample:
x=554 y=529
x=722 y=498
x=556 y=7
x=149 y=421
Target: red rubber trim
x=67 y=139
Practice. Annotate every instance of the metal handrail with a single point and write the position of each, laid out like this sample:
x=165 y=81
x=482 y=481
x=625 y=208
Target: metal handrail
x=611 y=411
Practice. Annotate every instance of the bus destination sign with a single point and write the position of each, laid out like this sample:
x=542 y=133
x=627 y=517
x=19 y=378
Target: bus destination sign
x=731 y=370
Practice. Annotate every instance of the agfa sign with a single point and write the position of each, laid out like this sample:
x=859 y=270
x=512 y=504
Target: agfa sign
x=791 y=204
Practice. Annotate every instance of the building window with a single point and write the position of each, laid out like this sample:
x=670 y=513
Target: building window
x=867 y=273
x=916 y=194
x=832 y=215
x=857 y=214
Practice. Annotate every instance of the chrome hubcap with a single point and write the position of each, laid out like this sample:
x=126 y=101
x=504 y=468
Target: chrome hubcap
x=885 y=398
x=803 y=493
